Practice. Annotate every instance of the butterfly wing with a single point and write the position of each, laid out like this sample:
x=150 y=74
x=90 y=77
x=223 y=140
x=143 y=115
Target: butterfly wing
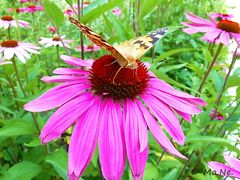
x=140 y=45
x=99 y=41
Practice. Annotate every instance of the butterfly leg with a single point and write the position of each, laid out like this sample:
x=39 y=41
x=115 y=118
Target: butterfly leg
x=116 y=74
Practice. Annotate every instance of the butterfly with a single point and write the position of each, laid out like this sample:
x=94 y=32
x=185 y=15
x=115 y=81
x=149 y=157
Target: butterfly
x=128 y=52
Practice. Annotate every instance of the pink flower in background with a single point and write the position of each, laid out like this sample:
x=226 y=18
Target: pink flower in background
x=31 y=8
x=55 y=41
x=116 y=115
x=69 y=12
x=216 y=115
x=9 y=21
x=220 y=16
x=117 y=11
x=89 y=48
x=219 y=32
x=11 y=48
x=232 y=170
x=52 y=29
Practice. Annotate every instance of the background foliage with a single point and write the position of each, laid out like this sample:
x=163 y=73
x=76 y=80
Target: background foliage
x=179 y=59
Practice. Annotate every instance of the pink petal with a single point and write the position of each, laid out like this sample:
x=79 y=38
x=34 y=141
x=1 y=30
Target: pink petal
x=137 y=159
x=56 y=97
x=223 y=170
x=224 y=38
x=84 y=140
x=111 y=144
x=175 y=102
x=157 y=132
x=166 y=116
x=75 y=61
x=70 y=71
x=234 y=162
x=185 y=116
x=198 y=20
x=64 y=78
x=65 y=116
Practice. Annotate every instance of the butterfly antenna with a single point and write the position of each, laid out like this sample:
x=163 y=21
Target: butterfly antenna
x=116 y=75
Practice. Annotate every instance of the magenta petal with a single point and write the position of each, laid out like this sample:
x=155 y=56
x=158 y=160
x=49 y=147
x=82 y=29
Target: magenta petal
x=185 y=116
x=198 y=20
x=223 y=168
x=137 y=159
x=157 y=132
x=224 y=38
x=234 y=162
x=111 y=145
x=65 y=116
x=55 y=97
x=84 y=140
x=70 y=71
x=64 y=78
x=76 y=61
x=166 y=117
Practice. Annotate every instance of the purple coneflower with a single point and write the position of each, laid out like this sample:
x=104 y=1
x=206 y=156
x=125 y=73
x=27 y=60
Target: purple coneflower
x=225 y=170
x=9 y=21
x=88 y=48
x=216 y=115
x=117 y=11
x=31 y=8
x=116 y=116
x=220 y=16
x=215 y=31
x=21 y=50
x=55 y=41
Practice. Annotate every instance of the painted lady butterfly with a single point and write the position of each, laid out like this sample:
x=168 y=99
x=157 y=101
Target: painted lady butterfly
x=127 y=52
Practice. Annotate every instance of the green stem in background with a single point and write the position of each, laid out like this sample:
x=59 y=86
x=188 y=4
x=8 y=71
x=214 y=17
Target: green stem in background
x=3 y=113
x=58 y=56
x=223 y=88
x=138 y=14
x=9 y=33
x=24 y=93
x=26 y=73
x=80 y=14
x=18 y=77
x=210 y=67
x=13 y=89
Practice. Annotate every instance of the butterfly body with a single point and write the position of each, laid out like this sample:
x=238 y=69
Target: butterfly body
x=128 y=52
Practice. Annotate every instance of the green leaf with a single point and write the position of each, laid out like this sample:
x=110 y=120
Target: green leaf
x=34 y=142
x=172 y=52
x=54 y=12
x=168 y=68
x=3 y=108
x=58 y=160
x=147 y=7
x=24 y=170
x=208 y=139
x=171 y=175
x=233 y=80
x=69 y=2
x=96 y=12
x=17 y=127
x=151 y=172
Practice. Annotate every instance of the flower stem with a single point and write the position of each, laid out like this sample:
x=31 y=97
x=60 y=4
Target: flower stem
x=58 y=57
x=18 y=77
x=13 y=89
x=26 y=73
x=210 y=67
x=9 y=33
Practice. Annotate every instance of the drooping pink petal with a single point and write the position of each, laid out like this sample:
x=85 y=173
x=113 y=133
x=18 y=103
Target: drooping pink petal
x=84 y=140
x=234 y=162
x=166 y=88
x=56 y=97
x=198 y=20
x=65 y=116
x=223 y=169
x=75 y=61
x=166 y=117
x=137 y=159
x=224 y=38
x=185 y=116
x=111 y=144
x=175 y=102
x=157 y=132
